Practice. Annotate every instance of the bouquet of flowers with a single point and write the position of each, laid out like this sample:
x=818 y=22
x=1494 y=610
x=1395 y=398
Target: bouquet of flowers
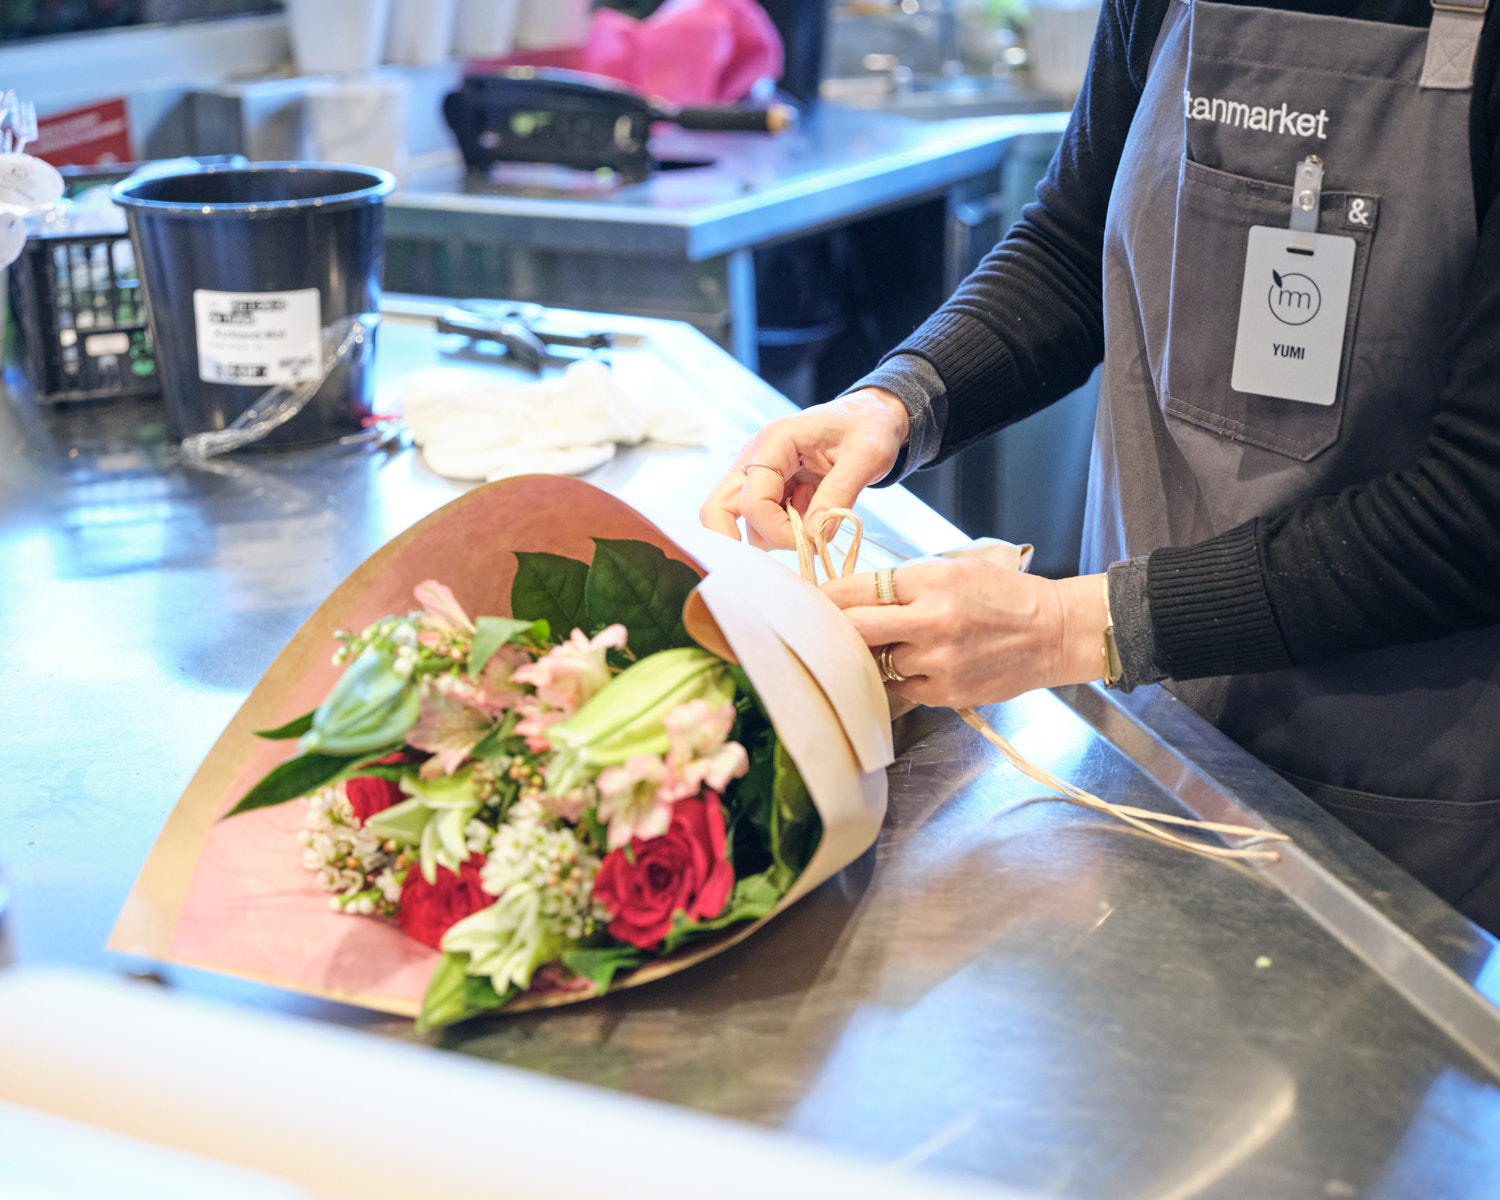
x=546 y=810
x=579 y=759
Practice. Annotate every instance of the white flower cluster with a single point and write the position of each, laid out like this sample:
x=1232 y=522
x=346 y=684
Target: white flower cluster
x=405 y=638
x=530 y=848
x=394 y=635
x=348 y=860
x=478 y=837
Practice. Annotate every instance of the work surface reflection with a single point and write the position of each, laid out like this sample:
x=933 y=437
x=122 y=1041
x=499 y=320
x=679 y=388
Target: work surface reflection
x=1004 y=985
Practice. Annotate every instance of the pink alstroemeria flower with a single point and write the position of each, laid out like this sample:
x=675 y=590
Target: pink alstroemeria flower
x=569 y=807
x=448 y=729
x=536 y=719
x=496 y=691
x=630 y=800
x=698 y=753
x=443 y=617
x=568 y=675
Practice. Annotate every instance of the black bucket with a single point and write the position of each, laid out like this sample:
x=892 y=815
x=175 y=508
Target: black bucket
x=243 y=268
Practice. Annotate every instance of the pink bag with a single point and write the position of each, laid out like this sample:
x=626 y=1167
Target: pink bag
x=687 y=52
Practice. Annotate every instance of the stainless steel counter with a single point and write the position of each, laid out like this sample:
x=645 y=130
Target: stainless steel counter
x=725 y=191
x=1004 y=985
x=679 y=243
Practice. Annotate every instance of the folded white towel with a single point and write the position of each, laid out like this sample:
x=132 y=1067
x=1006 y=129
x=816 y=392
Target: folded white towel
x=470 y=427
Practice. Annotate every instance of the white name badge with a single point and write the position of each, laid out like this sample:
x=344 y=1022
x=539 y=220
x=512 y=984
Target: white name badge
x=1293 y=307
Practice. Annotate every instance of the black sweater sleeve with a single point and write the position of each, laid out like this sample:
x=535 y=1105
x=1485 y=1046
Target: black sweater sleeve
x=1410 y=555
x=1027 y=326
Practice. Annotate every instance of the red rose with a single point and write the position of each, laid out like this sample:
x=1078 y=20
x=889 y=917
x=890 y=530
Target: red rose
x=368 y=795
x=685 y=870
x=427 y=910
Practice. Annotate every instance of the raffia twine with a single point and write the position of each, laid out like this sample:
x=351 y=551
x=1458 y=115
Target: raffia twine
x=813 y=551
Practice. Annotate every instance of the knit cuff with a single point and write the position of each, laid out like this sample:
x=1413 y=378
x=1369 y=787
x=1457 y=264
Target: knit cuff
x=1130 y=614
x=919 y=387
x=1209 y=608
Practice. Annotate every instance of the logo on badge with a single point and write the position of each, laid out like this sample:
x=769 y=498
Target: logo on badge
x=1294 y=298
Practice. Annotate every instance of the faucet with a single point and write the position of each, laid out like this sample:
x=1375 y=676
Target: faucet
x=898 y=74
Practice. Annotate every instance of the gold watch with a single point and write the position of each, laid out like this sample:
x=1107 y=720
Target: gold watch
x=1113 y=668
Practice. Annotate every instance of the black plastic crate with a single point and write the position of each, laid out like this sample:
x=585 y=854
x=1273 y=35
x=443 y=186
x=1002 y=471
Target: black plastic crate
x=81 y=318
x=79 y=307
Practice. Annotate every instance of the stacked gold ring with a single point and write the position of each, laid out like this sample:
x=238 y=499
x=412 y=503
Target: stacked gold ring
x=888 y=671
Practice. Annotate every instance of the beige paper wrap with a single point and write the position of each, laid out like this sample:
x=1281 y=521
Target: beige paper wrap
x=232 y=896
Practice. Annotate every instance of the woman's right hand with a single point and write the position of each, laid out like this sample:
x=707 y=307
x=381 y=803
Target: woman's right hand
x=818 y=459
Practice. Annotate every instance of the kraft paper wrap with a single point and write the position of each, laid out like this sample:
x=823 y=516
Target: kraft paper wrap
x=232 y=896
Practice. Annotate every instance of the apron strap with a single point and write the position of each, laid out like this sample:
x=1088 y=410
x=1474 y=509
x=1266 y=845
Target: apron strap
x=1452 y=42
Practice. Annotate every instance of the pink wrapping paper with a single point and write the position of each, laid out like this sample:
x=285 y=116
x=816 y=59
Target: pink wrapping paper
x=232 y=895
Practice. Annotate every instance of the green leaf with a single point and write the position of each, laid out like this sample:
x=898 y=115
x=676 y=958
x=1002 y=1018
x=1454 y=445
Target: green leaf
x=796 y=826
x=595 y=830
x=550 y=588
x=490 y=633
x=480 y=993
x=292 y=729
x=293 y=778
x=455 y=995
x=751 y=796
x=602 y=964
x=746 y=698
x=752 y=898
x=636 y=584
x=377 y=770
x=500 y=740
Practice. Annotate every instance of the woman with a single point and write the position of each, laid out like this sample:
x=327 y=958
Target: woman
x=1280 y=230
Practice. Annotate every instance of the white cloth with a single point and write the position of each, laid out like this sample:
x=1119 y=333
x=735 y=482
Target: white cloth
x=470 y=427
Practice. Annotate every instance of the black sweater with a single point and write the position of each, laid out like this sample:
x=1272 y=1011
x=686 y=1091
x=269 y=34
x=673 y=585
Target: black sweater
x=1410 y=555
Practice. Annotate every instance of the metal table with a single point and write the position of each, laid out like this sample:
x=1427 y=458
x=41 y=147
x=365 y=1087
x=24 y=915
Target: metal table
x=1004 y=985
x=680 y=243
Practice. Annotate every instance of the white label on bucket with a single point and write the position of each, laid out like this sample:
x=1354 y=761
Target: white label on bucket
x=258 y=338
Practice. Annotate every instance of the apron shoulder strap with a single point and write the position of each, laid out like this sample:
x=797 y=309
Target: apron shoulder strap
x=1452 y=42
x=1177 y=10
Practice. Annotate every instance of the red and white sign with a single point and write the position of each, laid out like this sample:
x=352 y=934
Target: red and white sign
x=99 y=133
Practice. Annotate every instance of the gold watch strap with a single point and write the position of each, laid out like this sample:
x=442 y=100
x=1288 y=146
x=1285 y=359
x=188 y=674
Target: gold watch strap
x=1113 y=668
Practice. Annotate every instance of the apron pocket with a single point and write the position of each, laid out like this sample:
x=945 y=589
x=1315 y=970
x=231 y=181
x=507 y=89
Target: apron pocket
x=1215 y=211
x=1451 y=846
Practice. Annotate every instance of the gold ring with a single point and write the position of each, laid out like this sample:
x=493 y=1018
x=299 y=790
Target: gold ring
x=885 y=586
x=888 y=672
x=748 y=467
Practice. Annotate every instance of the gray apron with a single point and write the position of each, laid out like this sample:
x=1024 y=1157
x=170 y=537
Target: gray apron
x=1402 y=744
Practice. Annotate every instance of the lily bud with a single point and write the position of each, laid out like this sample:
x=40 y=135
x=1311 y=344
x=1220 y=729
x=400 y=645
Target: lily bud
x=627 y=716
x=372 y=705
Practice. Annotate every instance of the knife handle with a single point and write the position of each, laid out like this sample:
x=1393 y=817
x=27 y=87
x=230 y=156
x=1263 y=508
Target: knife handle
x=772 y=119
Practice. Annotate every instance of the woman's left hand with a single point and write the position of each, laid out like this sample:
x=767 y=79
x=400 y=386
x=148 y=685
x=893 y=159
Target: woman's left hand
x=966 y=632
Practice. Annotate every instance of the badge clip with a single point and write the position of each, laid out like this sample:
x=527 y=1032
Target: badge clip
x=1307 y=198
